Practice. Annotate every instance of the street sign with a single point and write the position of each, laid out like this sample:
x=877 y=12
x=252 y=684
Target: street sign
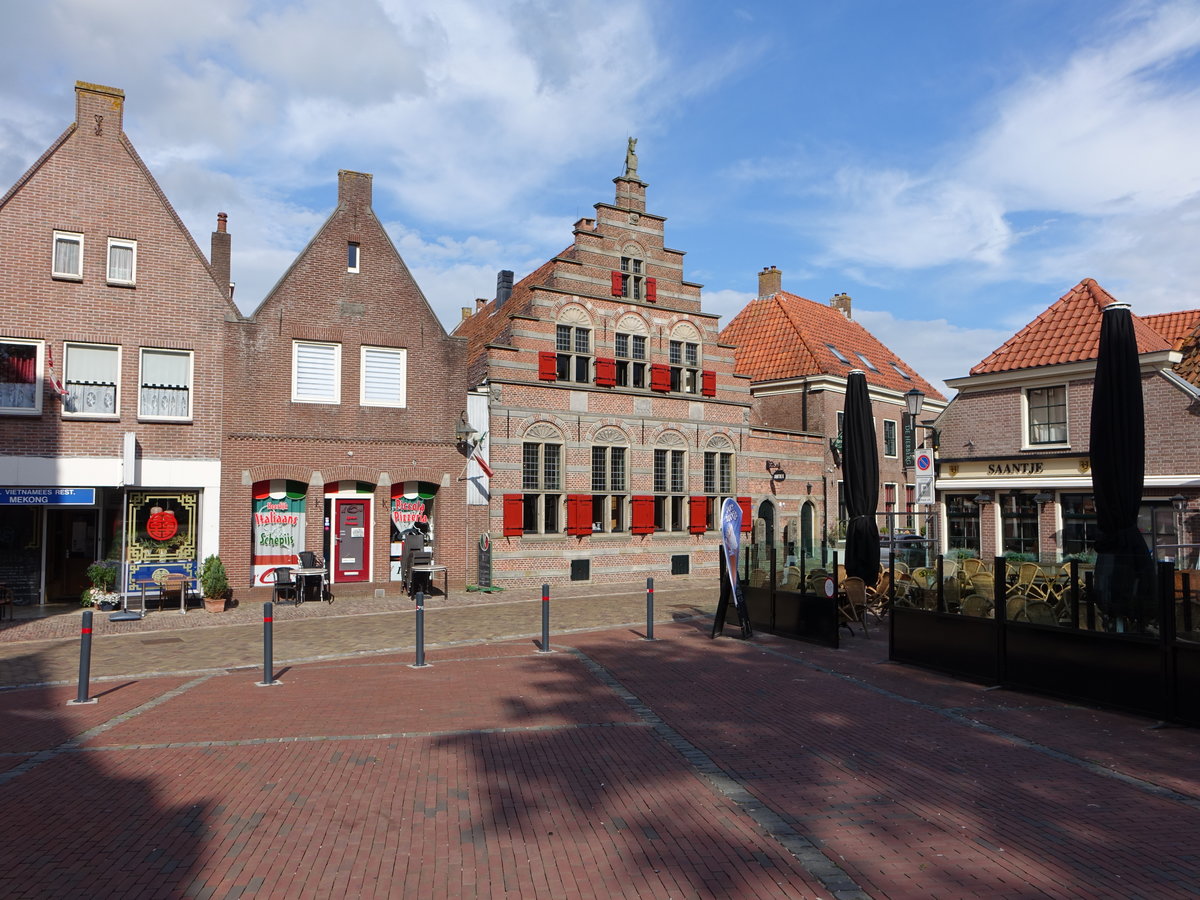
x=923 y=463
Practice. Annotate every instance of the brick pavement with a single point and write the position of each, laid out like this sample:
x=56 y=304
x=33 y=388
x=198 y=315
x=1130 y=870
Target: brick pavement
x=615 y=766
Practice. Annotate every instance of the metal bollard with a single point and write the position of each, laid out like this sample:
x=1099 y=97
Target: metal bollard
x=268 y=649
x=545 y=648
x=420 y=663
x=85 y=660
x=649 y=609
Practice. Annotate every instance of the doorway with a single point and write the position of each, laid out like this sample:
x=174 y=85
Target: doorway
x=70 y=549
x=351 y=541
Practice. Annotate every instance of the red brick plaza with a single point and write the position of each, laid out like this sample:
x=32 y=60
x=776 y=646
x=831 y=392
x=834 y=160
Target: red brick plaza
x=610 y=767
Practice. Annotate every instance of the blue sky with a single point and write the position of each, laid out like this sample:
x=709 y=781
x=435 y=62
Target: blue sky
x=954 y=166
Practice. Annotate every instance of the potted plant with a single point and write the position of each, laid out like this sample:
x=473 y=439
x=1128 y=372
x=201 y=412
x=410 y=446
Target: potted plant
x=214 y=584
x=103 y=575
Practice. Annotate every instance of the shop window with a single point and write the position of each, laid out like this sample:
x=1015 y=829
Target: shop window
x=68 y=256
x=384 y=377
x=278 y=515
x=316 y=372
x=1046 y=412
x=91 y=372
x=1019 y=524
x=166 y=384
x=21 y=376
x=1080 y=527
x=962 y=523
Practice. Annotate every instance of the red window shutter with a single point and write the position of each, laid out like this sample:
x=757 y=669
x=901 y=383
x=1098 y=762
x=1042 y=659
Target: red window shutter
x=708 y=383
x=579 y=514
x=514 y=514
x=547 y=365
x=606 y=372
x=697 y=515
x=747 y=513
x=651 y=290
x=616 y=284
x=643 y=515
x=660 y=377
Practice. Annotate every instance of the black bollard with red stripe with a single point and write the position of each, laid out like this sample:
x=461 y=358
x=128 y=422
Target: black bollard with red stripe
x=545 y=648
x=268 y=646
x=649 y=609
x=85 y=658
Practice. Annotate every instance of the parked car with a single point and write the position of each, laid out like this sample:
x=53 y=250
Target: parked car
x=910 y=549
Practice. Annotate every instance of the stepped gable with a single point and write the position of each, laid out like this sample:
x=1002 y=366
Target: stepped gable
x=1067 y=331
x=785 y=336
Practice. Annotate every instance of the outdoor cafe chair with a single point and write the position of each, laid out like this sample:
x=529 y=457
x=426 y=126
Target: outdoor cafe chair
x=1031 y=582
x=976 y=605
x=1039 y=612
x=851 y=603
x=878 y=596
x=285 y=582
x=1014 y=609
x=971 y=567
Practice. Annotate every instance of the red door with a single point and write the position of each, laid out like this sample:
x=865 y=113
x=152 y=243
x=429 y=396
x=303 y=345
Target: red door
x=351 y=541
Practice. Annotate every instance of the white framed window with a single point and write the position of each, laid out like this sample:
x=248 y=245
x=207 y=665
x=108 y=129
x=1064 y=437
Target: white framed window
x=384 y=377
x=610 y=465
x=573 y=345
x=352 y=256
x=670 y=489
x=122 y=261
x=683 y=356
x=633 y=278
x=21 y=369
x=91 y=373
x=542 y=481
x=67 y=261
x=165 y=384
x=890 y=446
x=1046 y=414
x=316 y=372
x=718 y=479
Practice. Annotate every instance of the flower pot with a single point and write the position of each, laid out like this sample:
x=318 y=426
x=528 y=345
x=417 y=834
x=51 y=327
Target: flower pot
x=214 y=604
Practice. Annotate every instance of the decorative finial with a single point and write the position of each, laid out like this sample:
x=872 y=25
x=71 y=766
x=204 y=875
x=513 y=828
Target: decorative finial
x=631 y=159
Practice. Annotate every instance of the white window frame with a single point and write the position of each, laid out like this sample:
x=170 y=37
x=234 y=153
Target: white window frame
x=399 y=356
x=1027 y=421
x=191 y=392
x=108 y=267
x=7 y=395
x=77 y=414
x=334 y=395
x=75 y=237
x=895 y=439
x=610 y=487
x=353 y=256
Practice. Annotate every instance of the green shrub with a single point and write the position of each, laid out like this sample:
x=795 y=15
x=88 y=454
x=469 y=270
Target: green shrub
x=213 y=579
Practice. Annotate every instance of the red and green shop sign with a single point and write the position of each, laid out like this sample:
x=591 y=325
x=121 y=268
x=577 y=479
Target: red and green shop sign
x=278 y=526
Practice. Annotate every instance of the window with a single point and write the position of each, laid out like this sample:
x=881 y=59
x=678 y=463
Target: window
x=1080 y=527
x=573 y=346
x=962 y=523
x=20 y=376
x=166 y=384
x=1047 y=408
x=866 y=362
x=122 y=261
x=837 y=353
x=685 y=373
x=889 y=437
x=68 y=255
x=316 y=372
x=900 y=371
x=633 y=279
x=608 y=487
x=352 y=256
x=384 y=377
x=889 y=500
x=670 y=483
x=91 y=379
x=541 y=481
x=718 y=484
x=910 y=504
x=1019 y=524
x=631 y=360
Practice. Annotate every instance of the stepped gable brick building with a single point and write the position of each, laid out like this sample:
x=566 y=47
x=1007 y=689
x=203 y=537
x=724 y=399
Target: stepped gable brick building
x=797 y=354
x=1013 y=470
x=609 y=420
x=344 y=391
x=111 y=367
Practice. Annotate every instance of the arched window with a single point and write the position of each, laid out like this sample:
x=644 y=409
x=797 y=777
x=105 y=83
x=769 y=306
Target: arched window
x=573 y=344
x=670 y=482
x=719 y=478
x=684 y=358
x=542 y=480
x=630 y=340
x=610 y=480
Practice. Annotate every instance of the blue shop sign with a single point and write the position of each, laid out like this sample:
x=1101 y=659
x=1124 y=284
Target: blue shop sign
x=47 y=496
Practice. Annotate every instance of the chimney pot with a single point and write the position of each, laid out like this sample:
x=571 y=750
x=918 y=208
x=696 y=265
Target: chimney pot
x=222 y=222
x=841 y=302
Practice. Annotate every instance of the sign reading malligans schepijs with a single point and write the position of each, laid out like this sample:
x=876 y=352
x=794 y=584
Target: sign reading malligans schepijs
x=47 y=496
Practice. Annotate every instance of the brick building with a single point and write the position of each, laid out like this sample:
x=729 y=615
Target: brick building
x=797 y=355
x=609 y=417
x=1013 y=469
x=343 y=392
x=111 y=367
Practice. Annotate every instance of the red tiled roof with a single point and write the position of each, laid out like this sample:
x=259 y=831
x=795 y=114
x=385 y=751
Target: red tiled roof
x=1174 y=326
x=1067 y=331
x=786 y=336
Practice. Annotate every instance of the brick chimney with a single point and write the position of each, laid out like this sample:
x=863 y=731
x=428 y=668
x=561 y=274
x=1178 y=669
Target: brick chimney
x=504 y=286
x=354 y=188
x=98 y=109
x=841 y=302
x=466 y=312
x=770 y=282
x=219 y=256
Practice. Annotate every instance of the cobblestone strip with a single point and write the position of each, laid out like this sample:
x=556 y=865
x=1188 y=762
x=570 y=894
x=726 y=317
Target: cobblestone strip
x=829 y=873
x=73 y=744
x=961 y=716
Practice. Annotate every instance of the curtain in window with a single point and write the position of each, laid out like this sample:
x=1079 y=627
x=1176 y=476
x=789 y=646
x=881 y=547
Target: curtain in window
x=66 y=256
x=92 y=380
x=165 y=380
x=120 y=262
x=18 y=373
